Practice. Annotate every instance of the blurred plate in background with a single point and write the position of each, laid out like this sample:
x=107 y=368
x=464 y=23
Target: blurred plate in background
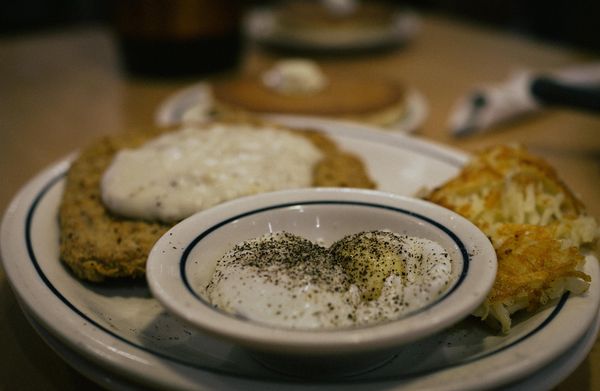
x=275 y=28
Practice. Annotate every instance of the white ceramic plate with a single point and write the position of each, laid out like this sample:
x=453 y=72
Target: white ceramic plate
x=124 y=331
x=262 y=25
x=543 y=379
x=198 y=98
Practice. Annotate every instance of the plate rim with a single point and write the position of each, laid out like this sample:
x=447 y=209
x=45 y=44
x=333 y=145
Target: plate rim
x=171 y=110
x=559 y=369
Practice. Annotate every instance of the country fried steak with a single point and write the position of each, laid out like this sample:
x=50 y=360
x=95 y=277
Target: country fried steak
x=98 y=245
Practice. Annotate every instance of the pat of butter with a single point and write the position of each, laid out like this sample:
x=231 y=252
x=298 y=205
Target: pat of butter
x=295 y=77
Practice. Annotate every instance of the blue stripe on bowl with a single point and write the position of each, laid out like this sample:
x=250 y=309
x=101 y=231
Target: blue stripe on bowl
x=463 y=251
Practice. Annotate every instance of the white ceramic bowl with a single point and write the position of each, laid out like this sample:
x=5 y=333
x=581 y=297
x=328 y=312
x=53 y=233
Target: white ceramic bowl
x=184 y=258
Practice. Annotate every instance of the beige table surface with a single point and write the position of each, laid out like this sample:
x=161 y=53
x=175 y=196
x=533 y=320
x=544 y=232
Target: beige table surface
x=60 y=90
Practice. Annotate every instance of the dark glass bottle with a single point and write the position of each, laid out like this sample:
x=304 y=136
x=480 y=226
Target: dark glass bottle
x=178 y=38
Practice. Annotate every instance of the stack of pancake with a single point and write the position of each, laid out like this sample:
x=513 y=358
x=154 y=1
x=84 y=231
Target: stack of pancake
x=372 y=100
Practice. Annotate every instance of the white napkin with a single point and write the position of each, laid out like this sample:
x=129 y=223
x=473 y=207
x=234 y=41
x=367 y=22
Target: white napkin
x=521 y=94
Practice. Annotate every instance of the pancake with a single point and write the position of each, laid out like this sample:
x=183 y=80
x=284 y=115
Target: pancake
x=537 y=226
x=98 y=245
x=372 y=100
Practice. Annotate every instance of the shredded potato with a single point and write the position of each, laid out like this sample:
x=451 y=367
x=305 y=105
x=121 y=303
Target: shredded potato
x=537 y=226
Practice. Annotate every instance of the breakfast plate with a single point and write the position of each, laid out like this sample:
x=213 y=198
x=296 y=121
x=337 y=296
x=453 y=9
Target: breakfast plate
x=263 y=25
x=193 y=102
x=119 y=329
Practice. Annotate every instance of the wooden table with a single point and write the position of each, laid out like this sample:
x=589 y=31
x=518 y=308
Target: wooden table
x=60 y=90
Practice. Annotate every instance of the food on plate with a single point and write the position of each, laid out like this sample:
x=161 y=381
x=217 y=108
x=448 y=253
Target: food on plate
x=537 y=226
x=297 y=86
x=106 y=232
x=285 y=280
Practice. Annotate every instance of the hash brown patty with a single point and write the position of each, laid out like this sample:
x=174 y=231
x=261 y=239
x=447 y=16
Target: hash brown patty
x=536 y=224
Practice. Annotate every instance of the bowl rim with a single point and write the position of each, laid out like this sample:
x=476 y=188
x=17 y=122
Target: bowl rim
x=168 y=283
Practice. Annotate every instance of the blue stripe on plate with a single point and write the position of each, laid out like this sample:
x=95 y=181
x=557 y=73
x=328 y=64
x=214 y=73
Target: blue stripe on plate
x=56 y=292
